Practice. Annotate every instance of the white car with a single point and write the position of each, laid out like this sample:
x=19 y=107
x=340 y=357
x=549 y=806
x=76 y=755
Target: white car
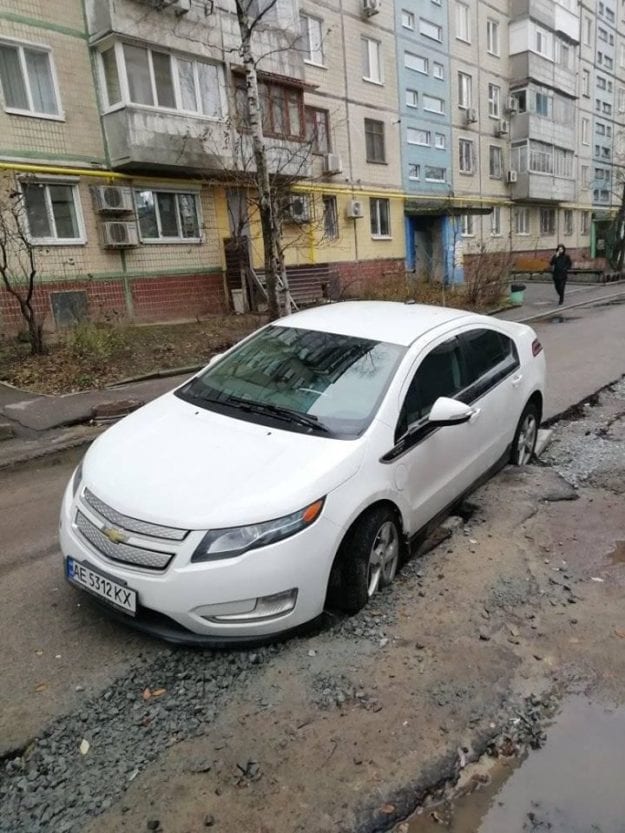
x=295 y=470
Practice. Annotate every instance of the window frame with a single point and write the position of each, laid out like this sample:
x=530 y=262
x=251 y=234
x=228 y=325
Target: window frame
x=313 y=138
x=494 y=101
x=368 y=122
x=568 y=222
x=417 y=176
x=426 y=62
x=414 y=95
x=467 y=226
x=547 y=232
x=366 y=43
x=425 y=97
x=522 y=211
x=409 y=16
x=20 y=45
x=495 y=227
x=162 y=240
x=493 y=44
x=376 y=203
x=438 y=70
x=46 y=182
x=438 y=38
x=435 y=179
x=491 y=156
x=467 y=145
x=427 y=133
x=463 y=12
x=330 y=200
x=465 y=84
x=305 y=20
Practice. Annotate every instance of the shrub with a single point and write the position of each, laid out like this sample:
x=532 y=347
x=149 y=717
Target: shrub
x=97 y=344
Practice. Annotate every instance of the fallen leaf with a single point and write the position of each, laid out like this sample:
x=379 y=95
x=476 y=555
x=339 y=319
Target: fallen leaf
x=388 y=809
x=39 y=652
x=158 y=692
x=620 y=634
x=41 y=687
x=84 y=746
x=147 y=694
x=596 y=578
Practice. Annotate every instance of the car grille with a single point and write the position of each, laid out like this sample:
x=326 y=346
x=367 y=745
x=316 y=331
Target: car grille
x=124 y=553
x=132 y=524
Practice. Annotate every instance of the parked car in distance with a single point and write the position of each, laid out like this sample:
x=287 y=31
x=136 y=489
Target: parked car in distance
x=293 y=471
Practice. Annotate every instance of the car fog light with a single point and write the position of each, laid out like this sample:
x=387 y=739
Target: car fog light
x=266 y=607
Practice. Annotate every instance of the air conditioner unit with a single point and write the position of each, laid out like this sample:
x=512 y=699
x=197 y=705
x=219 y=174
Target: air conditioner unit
x=471 y=115
x=503 y=128
x=371 y=7
x=332 y=164
x=298 y=209
x=512 y=176
x=112 y=198
x=512 y=105
x=117 y=235
x=355 y=209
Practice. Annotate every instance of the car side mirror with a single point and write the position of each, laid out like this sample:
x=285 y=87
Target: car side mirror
x=214 y=359
x=447 y=411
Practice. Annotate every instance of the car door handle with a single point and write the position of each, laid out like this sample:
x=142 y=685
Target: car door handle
x=475 y=415
x=516 y=380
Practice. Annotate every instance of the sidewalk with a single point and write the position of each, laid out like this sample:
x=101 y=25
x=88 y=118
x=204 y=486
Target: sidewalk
x=49 y=424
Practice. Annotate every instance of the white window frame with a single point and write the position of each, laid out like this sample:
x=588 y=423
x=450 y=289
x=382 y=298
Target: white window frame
x=522 y=221
x=440 y=141
x=494 y=101
x=416 y=177
x=426 y=63
x=20 y=45
x=495 y=222
x=463 y=22
x=468 y=145
x=305 y=20
x=435 y=98
x=174 y=57
x=584 y=226
x=586 y=82
x=426 y=28
x=413 y=95
x=376 y=235
x=438 y=70
x=543 y=213
x=160 y=240
x=426 y=133
x=45 y=182
x=407 y=19
x=465 y=90
x=569 y=229
x=433 y=179
x=373 y=50
x=492 y=37
x=585 y=131
x=467 y=226
x=500 y=155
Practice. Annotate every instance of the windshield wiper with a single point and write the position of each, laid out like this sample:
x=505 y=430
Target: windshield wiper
x=281 y=412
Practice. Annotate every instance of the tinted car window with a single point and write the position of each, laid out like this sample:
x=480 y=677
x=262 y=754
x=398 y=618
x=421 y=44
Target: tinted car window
x=485 y=350
x=439 y=374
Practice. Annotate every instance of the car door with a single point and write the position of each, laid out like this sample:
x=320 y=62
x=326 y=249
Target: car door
x=431 y=463
x=494 y=389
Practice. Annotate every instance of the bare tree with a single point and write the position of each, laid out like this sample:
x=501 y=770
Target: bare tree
x=18 y=266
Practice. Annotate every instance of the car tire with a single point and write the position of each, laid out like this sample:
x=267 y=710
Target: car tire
x=525 y=436
x=367 y=560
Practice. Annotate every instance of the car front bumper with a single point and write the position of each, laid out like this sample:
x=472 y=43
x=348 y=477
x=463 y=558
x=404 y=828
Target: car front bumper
x=214 y=602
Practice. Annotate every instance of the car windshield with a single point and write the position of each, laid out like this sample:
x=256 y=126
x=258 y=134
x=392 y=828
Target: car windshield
x=311 y=381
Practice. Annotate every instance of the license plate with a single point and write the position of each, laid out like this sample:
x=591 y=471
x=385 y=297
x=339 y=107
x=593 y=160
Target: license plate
x=106 y=588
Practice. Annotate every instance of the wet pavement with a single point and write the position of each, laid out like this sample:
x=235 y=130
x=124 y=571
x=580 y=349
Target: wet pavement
x=574 y=784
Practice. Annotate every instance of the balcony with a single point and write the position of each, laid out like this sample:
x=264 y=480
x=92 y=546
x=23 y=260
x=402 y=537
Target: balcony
x=549 y=14
x=531 y=126
x=542 y=188
x=529 y=65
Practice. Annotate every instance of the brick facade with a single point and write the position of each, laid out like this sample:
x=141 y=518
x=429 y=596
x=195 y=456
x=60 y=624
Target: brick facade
x=352 y=278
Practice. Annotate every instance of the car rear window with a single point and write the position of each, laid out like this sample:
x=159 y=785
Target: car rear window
x=485 y=350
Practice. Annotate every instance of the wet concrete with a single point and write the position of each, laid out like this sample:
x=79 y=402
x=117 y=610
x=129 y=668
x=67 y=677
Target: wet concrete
x=574 y=784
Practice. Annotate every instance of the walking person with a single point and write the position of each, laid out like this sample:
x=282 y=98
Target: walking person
x=560 y=265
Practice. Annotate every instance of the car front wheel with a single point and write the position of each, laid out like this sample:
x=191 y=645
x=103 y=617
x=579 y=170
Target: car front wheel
x=368 y=559
x=524 y=443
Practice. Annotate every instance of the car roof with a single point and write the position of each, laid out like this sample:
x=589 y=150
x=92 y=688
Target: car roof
x=389 y=321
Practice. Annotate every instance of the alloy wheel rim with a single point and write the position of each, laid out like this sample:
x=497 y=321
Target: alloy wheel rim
x=527 y=440
x=383 y=558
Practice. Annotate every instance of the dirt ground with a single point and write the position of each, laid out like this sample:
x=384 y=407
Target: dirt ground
x=343 y=732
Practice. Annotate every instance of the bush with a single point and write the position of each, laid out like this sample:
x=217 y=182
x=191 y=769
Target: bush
x=97 y=344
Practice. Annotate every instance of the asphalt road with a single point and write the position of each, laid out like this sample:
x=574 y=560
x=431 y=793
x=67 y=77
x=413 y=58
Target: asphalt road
x=57 y=649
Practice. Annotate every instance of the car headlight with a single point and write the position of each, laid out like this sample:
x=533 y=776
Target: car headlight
x=228 y=543
x=77 y=479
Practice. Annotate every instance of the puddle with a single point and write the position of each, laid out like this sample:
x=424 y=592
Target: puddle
x=617 y=555
x=562 y=319
x=574 y=784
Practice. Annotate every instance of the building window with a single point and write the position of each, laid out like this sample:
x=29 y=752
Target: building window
x=585 y=176
x=374 y=141
x=466 y=225
x=522 y=221
x=380 y=213
x=312 y=39
x=585 y=224
x=317 y=130
x=492 y=36
x=435 y=174
x=28 y=80
x=586 y=83
x=412 y=98
x=433 y=104
x=543 y=42
x=416 y=62
x=621 y=54
x=568 y=222
x=158 y=79
x=494 y=101
x=520 y=97
x=585 y=131
x=464 y=90
x=465 y=156
x=588 y=31
x=282 y=109
x=53 y=213
x=330 y=217
x=495 y=222
x=547 y=222
x=407 y=19
x=414 y=170
x=463 y=22
x=621 y=100
x=440 y=141
x=430 y=30
x=438 y=71
x=542 y=104
x=168 y=216
x=495 y=162
x=418 y=136
x=372 y=60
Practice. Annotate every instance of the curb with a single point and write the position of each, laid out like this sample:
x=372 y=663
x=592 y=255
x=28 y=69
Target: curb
x=556 y=310
x=156 y=374
x=23 y=456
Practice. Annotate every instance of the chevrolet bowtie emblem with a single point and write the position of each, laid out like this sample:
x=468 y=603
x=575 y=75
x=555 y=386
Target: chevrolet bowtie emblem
x=114 y=535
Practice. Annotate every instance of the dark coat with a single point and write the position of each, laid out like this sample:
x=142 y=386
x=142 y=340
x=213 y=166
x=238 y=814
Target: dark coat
x=560 y=265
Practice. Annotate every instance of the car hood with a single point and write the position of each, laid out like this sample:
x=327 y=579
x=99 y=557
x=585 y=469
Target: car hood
x=176 y=464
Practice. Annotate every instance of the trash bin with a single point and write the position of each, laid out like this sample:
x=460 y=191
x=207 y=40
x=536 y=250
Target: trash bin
x=517 y=291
